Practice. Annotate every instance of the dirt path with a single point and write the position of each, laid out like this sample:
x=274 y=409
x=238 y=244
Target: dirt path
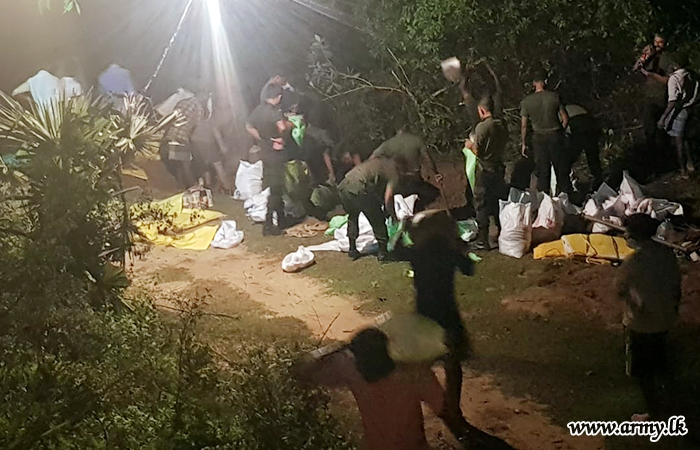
x=284 y=294
x=521 y=422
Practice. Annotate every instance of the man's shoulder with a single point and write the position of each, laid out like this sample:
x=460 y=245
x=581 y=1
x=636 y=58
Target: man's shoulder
x=550 y=95
x=483 y=126
x=265 y=110
x=529 y=98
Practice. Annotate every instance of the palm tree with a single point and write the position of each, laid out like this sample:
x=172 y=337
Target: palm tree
x=68 y=184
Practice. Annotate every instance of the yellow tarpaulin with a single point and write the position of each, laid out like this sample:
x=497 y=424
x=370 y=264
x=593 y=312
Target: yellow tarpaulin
x=187 y=229
x=592 y=247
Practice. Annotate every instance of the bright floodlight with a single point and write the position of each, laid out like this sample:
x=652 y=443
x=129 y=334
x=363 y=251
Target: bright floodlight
x=214 y=9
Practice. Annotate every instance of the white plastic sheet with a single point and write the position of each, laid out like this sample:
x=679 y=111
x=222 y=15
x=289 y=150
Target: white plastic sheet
x=299 y=260
x=248 y=180
x=228 y=236
x=516 y=228
x=366 y=242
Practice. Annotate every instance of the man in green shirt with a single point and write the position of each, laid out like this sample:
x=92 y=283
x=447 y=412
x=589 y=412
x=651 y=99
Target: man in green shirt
x=543 y=111
x=406 y=145
x=267 y=125
x=488 y=144
x=368 y=188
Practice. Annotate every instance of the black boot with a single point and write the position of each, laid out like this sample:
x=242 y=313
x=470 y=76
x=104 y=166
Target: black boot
x=270 y=229
x=383 y=255
x=353 y=253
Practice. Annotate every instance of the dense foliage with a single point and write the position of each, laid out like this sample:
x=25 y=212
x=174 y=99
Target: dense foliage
x=587 y=47
x=81 y=366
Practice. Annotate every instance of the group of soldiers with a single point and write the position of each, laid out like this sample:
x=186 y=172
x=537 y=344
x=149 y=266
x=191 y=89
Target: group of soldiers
x=368 y=187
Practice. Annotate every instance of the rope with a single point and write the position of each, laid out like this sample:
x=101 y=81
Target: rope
x=185 y=13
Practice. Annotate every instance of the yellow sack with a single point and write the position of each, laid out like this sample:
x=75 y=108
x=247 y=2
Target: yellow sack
x=594 y=248
x=597 y=246
x=550 y=250
x=191 y=229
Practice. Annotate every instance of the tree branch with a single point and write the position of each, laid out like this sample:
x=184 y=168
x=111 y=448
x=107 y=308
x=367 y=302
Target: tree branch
x=14 y=232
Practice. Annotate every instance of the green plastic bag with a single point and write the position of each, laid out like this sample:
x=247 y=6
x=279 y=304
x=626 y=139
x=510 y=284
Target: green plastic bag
x=395 y=231
x=299 y=129
x=336 y=223
x=471 y=166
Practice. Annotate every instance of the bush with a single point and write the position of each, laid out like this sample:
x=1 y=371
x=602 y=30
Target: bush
x=80 y=366
x=588 y=48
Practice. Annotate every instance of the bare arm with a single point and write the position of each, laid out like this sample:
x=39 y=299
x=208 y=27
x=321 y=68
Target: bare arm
x=432 y=392
x=389 y=199
x=253 y=132
x=327 y=370
x=657 y=77
x=329 y=165
x=523 y=134
x=669 y=109
x=283 y=125
x=564 y=117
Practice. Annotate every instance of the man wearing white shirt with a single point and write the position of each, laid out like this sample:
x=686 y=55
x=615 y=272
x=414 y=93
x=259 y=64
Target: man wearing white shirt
x=683 y=93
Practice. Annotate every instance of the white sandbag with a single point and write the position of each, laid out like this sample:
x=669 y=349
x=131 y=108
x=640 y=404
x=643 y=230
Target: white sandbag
x=404 y=206
x=248 y=180
x=256 y=207
x=550 y=221
x=516 y=229
x=550 y=215
x=656 y=208
x=299 y=260
x=228 y=235
x=524 y=197
x=566 y=205
x=630 y=189
x=603 y=193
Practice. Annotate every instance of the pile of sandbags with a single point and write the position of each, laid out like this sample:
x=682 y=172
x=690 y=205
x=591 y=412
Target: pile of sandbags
x=613 y=206
x=527 y=218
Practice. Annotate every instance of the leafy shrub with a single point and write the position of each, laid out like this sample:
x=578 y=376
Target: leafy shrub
x=80 y=367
